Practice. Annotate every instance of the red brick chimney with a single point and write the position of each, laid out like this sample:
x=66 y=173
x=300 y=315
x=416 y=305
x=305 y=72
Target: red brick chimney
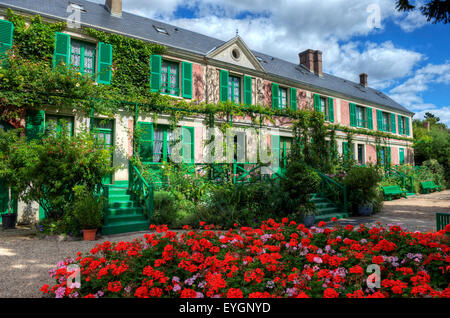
x=114 y=7
x=312 y=60
x=363 y=79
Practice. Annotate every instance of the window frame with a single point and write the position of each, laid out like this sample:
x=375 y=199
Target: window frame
x=386 y=121
x=361 y=123
x=69 y=119
x=280 y=99
x=231 y=88
x=81 y=67
x=178 y=80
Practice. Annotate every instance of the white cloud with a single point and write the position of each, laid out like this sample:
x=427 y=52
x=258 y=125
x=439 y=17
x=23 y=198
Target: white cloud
x=283 y=28
x=384 y=63
x=412 y=20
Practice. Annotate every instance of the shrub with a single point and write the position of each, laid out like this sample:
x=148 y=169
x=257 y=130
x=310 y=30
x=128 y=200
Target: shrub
x=171 y=208
x=275 y=260
x=87 y=208
x=361 y=185
x=48 y=170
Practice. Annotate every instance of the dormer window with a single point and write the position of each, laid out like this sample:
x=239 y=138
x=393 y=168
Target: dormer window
x=161 y=30
x=76 y=6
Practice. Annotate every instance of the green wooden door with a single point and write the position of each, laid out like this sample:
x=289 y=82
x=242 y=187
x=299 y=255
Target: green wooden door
x=103 y=130
x=4 y=194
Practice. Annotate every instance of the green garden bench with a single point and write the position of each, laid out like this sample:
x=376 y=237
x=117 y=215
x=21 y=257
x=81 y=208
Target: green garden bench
x=427 y=186
x=391 y=191
x=442 y=219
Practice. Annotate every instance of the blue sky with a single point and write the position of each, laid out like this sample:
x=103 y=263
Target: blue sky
x=404 y=55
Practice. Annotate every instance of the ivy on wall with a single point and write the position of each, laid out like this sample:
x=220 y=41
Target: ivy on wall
x=31 y=82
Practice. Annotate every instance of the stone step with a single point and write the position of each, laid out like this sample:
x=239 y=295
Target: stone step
x=125 y=227
x=328 y=217
x=123 y=204
x=124 y=211
x=124 y=218
x=113 y=198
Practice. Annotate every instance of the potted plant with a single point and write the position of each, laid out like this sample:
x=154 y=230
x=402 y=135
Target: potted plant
x=308 y=212
x=88 y=211
x=361 y=183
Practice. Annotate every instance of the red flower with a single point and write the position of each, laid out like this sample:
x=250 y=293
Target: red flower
x=334 y=219
x=44 y=288
x=377 y=259
x=302 y=295
x=356 y=270
x=141 y=292
x=188 y=293
x=330 y=293
x=234 y=293
x=322 y=224
x=114 y=287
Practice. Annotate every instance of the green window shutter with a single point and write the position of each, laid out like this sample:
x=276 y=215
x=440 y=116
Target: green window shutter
x=380 y=120
x=224 y=76
x=104 y=63
x=155 y=75
x=393 y=124
x=316 y=102
x=369 y=115
x=6 y=37
x=187 y=144
x=61 y=53
x=352 y=114
x=407 y=126
x=146 y=142
x=293 y=98
x=187 y=79
x=34 y=127
x=401 y=155
x=275 y=150
x=275 y=96
x=247 y=90
x=330 y=109
x=344 y=148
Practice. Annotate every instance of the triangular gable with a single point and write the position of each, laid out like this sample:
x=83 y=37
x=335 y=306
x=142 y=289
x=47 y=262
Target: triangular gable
x=236 y=52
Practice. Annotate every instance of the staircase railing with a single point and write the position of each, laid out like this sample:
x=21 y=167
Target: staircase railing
x=334 y=191
x=241 y=174
x=142 y=191
x=403 y=177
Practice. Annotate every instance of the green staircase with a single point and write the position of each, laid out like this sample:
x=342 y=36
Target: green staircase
x=326 y=208
x=123 y=214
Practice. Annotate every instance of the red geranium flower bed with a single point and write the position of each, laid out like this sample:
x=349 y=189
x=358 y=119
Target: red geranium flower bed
x=276 y=260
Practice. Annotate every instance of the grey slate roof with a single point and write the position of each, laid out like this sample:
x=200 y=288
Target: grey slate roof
x=133 y=25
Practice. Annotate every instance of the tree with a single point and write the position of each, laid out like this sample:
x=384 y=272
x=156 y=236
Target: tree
x=433 y=143
x=436 y=10
x=10 y=141
x=47 y=170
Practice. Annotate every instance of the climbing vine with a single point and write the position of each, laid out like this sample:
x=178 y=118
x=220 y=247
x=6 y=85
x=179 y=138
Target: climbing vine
x=30 y=81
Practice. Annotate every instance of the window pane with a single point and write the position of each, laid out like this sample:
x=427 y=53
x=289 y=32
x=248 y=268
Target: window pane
x=89 y=58
x=75 y=58
x=283 y=98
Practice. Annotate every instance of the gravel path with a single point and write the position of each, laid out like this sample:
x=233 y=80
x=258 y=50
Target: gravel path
x=26 y=259
x=416 y=213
